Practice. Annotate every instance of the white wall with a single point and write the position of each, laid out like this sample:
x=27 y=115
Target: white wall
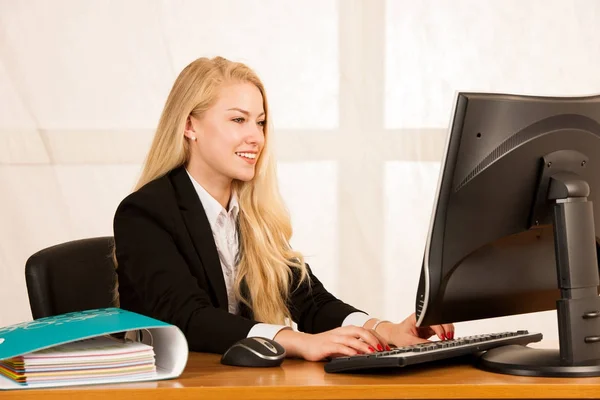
x=361 y=92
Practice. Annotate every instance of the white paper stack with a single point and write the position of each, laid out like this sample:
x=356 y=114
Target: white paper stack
x=98 y=359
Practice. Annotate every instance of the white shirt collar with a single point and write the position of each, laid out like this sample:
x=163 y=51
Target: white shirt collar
x=212 y=207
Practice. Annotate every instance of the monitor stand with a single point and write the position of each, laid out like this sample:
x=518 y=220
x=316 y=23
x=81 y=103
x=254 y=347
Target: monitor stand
x=578 y=309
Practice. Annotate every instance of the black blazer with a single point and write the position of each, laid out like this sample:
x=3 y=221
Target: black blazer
x=169 y=269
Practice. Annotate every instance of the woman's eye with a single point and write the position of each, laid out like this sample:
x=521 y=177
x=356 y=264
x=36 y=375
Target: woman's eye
x=261 y=123
x=239 y=120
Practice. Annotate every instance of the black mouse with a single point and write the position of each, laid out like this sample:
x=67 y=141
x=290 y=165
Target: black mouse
x=254 y=352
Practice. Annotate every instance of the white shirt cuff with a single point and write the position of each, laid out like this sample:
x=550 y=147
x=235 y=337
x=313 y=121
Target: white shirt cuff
x=268 y=331
x=356 y=318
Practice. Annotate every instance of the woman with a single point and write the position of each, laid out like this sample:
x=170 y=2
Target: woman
x=203 y=241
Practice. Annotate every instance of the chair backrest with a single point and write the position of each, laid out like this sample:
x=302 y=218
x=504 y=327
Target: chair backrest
x=72 y=276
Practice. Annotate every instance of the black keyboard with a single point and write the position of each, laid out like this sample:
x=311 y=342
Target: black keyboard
x=432 y=351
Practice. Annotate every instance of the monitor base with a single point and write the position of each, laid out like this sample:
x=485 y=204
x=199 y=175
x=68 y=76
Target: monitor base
x=527 y=361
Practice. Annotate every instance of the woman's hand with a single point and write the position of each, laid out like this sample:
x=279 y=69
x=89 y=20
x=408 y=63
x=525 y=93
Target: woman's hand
x=344 y=341
x=406 y=332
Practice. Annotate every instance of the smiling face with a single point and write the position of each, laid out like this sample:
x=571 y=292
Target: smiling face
x=229 y=136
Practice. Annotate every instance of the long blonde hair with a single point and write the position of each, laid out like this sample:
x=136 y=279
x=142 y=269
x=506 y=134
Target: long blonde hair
x=267 y=263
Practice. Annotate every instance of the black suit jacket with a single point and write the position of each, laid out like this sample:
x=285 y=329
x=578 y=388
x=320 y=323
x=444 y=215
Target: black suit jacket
x=169 y=269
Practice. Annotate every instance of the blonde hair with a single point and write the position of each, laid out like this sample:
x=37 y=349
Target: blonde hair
x=267 y=262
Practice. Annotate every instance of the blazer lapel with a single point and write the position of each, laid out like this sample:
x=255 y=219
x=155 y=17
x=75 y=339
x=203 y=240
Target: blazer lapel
x=198 y=226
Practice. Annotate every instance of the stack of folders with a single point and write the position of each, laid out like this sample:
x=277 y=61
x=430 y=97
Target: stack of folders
x=95 y=360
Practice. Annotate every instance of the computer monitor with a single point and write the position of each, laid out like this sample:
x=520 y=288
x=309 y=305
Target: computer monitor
x=513 y=226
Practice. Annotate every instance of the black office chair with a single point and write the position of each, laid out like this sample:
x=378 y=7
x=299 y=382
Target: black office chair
x=72 y=276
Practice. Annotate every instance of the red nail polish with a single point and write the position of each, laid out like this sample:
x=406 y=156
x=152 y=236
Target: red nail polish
x=372 y=349
x=387 y=348
x=450 y=335
x=379 y=347
x=443 y=336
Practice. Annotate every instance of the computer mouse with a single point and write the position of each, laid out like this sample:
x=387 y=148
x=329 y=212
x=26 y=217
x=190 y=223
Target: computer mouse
x=254 y=352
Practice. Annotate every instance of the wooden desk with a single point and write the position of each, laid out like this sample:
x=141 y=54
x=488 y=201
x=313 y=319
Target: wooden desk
x=206 y=378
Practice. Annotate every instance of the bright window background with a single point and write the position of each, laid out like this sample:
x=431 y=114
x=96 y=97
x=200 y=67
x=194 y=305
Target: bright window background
x=361 y=93
x=434 y=48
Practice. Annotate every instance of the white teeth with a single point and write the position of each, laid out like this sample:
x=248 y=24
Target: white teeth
x=247 y=155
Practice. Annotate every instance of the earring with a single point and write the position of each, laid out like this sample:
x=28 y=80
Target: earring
x=193 y=138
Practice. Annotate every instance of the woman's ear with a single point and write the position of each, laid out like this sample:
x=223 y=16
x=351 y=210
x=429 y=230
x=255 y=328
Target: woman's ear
x=189 y=131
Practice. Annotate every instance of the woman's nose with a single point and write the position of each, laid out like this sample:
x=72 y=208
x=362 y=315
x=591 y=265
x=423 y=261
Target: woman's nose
x=256 y=135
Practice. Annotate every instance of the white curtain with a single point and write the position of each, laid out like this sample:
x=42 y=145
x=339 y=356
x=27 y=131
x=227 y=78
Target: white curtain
x=361 y=93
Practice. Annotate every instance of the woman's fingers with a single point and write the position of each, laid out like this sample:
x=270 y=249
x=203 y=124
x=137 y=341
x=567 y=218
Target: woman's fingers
x=368 y=336
x=445 y=331
x=449 y=330
x=439 y=331
x=384 y=343
x=356 y=344
x=340 y=350
x=352 y=340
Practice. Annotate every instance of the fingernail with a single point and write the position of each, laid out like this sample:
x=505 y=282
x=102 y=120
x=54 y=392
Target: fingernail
x=379 y=347
x=450 y=335
x=372 y=349
x=443 y=336
x=387 y=348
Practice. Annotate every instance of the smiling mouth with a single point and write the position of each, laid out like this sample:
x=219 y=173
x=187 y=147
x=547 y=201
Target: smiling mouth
x=251 y=156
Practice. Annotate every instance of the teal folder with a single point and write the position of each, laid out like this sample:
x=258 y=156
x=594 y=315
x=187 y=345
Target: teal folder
x=169 y=343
